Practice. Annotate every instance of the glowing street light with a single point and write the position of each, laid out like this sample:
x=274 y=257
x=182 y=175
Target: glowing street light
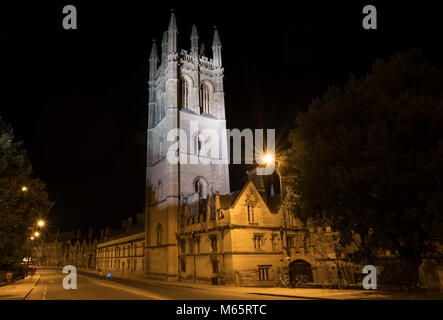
x=32 y=238
x=268 y=158
x=24 y=188
x=41 y=223
x=36 y=234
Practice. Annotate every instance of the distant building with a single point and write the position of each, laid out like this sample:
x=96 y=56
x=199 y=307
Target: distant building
x=122 y=253
x=60 y=249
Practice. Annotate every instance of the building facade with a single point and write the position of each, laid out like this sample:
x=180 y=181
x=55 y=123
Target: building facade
x=195 y=228
x=122 y=255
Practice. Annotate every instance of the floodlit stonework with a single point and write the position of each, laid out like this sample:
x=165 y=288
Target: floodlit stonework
x=184 y=87
x=195 y=228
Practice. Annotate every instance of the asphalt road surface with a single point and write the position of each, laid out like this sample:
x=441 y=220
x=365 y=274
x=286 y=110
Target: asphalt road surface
x=50 y=287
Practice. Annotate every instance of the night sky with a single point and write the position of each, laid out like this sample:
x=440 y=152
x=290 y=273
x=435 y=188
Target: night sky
x=78 y=98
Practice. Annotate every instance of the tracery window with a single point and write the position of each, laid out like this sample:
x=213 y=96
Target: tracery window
x=205 y=98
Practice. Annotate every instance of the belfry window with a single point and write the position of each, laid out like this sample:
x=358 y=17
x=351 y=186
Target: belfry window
x=204 y=98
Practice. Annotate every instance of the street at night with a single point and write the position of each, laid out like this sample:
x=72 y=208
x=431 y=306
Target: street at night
x=50 y=287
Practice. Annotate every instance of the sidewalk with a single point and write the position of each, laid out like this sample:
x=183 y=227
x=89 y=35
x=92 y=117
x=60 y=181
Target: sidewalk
x=302 y=293
x=19 y=290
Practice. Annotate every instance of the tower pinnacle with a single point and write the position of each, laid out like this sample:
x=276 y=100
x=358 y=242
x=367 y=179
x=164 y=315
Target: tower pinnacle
x=216 y=40
x=194 y=42
x=153 y=61
x=216 y=49
x=164 y=46
x=172 y=33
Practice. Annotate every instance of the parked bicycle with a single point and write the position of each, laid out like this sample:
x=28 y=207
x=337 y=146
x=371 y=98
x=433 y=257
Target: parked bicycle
x=300 y=280
x=332 y=282
x=282 y=281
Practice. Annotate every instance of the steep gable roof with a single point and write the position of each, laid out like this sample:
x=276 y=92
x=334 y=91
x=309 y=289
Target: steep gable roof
x=273 y=203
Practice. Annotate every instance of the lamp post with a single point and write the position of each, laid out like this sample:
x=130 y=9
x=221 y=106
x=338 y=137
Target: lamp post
x=272 y=159
x=35 y=235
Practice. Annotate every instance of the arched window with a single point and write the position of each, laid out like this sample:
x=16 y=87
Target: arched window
x=200 y=187
x=159 y=234
x=159 y=149
x=205 y=98
x=185 y=93
x=198 y=142
x=159 y=190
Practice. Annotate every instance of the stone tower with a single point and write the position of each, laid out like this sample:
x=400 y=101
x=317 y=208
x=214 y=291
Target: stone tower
x=185 y=93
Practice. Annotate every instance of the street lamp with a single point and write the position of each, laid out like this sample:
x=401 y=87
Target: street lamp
x=24 y=189
x=268 y=158
x=271 y=159
x=40 y=223
x=36 y=234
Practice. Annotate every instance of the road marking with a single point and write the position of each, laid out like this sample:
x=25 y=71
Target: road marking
x=44 y=292
x=31 y=289
x=133 y=290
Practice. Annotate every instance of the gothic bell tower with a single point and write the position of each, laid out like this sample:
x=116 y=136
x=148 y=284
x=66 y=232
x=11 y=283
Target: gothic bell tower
x=186 y=94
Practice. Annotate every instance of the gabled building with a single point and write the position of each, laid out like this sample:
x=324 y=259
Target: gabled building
x=195 y=227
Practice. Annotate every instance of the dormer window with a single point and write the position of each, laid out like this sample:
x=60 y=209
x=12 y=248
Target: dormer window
x=251 y=213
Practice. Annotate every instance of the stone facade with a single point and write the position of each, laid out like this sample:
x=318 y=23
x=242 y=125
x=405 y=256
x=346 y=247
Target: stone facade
x=195 y=228
x=122 y=255
x=122 y=252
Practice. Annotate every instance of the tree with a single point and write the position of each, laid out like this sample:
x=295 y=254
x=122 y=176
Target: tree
x=19 y=208
x=367 y=160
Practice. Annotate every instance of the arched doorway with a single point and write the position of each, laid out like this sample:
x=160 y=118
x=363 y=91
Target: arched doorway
x=298 y=267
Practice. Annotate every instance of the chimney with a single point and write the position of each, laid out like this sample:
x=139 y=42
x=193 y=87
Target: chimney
x=124 y=225
x=107 y=232
x=102 y=235
x=129 y=222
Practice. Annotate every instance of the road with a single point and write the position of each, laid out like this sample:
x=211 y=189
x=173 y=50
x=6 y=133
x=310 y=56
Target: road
x=50 y=287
